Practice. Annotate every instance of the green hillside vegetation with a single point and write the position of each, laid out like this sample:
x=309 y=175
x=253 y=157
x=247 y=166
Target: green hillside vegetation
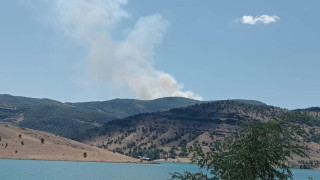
x=252 y=102
x=71 y=119
x=128 y=107
x=49 y=116
x=62 y=120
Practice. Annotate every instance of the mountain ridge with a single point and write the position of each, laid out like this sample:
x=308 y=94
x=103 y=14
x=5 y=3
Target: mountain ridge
x=70 y=119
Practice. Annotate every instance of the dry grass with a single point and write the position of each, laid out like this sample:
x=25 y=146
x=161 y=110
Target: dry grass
x=53 y=148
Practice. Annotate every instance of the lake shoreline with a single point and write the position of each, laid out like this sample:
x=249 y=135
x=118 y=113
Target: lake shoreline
x=58 y=160
x=178 y=160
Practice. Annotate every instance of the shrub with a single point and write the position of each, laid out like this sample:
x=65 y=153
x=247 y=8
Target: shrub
x=258 y=151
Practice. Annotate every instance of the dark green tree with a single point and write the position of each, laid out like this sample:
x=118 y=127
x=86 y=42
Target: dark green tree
x=257 y=151
x=184 y=152
x=172 y=152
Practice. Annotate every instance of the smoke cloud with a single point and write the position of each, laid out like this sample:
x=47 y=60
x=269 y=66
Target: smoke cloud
x=126 y=63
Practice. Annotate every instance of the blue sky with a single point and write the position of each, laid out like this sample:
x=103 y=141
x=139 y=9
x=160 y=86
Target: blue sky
x=203 y=45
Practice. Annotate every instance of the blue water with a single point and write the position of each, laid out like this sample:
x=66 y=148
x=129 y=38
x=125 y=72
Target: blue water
x=59 y=170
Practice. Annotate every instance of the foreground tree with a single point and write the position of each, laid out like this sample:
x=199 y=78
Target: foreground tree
x=258 y=151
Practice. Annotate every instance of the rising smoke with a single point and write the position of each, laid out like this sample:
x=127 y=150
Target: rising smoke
x=124 y=63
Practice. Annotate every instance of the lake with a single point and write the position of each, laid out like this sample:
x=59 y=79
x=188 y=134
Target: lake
x=61 y=170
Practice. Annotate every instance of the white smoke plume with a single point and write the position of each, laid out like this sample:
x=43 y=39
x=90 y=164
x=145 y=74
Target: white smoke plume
x=124 y=63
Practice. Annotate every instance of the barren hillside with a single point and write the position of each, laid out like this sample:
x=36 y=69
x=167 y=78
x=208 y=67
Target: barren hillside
x=21 y=143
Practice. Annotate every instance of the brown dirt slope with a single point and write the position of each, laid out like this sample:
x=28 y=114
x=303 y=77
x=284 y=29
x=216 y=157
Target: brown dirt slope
x=21 y=143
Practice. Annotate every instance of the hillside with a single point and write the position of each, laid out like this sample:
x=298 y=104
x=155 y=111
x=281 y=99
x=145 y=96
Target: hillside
x=193 y=126
x=313 y=111
x=173 y=133
x=49 y=115
x=127 y=107
x=71 y=119
x=22 y=143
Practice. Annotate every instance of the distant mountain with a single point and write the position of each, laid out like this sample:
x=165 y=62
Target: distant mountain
x=49 y=115
x=311 y=109
x=71 y=119
x=253 y=102
x=127 y=107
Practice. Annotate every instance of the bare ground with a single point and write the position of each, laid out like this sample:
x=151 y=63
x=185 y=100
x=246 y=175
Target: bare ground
x=22 y=143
